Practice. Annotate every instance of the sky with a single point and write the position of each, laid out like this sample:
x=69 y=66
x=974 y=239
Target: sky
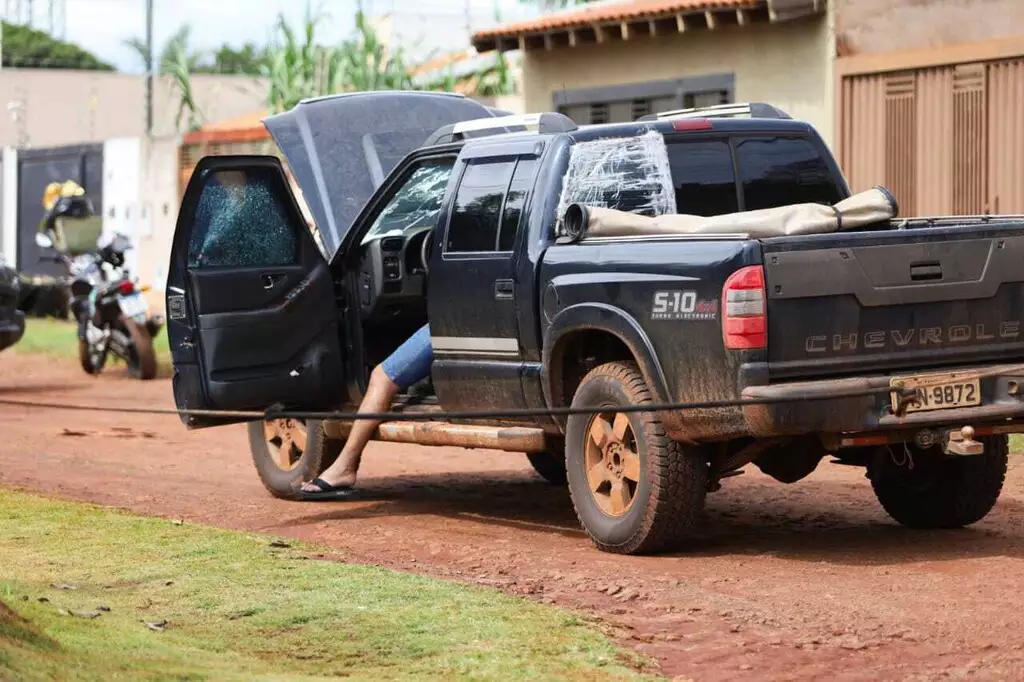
x=102 y=26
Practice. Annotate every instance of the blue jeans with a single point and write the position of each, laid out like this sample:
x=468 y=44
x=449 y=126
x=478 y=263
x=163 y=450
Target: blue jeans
x=411 y=362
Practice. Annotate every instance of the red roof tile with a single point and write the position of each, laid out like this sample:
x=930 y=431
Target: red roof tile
x=601 y=13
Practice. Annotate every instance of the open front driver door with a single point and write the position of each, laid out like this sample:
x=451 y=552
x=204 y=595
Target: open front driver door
x=251 y=314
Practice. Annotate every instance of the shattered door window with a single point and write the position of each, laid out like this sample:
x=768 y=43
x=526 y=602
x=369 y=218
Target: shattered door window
x=242 y=221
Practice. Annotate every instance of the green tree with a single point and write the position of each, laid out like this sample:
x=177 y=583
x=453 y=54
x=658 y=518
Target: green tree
x=25 y=47
x=369 y=64
x=177 y=61
x=248 y=59
x=297 y=67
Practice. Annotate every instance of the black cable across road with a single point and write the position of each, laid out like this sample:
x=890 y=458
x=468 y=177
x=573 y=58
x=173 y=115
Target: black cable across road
x=274 y=413
x=907 y=397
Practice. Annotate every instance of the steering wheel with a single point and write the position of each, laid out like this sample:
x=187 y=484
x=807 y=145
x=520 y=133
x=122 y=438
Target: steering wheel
x=425 y=250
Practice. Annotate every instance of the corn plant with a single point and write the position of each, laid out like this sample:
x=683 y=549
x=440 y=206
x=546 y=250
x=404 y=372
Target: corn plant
x=177 y=61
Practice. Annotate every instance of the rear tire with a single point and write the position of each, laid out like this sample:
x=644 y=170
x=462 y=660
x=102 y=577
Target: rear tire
x=941 y=492
x=550 y=466
x=141 y=356
x=282 y=464
x=634 y=490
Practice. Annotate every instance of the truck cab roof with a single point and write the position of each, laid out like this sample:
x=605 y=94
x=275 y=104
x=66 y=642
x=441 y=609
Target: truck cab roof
x=734 y=118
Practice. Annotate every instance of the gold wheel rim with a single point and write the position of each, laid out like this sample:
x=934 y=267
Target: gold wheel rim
x=286 y=441
x=612 y=461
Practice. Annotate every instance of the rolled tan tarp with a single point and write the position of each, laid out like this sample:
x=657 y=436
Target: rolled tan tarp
x=873 y=206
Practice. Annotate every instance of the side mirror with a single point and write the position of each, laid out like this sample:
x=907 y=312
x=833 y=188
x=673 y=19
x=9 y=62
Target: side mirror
x=43 y=241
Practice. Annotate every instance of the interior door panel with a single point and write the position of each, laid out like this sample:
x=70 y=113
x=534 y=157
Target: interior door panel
x=257 y=323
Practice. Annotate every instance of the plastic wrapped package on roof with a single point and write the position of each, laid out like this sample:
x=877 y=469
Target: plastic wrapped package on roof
x=629 y=174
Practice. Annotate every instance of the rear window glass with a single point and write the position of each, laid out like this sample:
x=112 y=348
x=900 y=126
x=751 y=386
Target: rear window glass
x=477 y=211
x=522 y=180
x=776 y=171
x=242 y=220
x=703 y=177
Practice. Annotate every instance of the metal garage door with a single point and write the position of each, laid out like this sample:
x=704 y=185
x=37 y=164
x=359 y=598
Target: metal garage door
x=945 y=139
x=36 y=169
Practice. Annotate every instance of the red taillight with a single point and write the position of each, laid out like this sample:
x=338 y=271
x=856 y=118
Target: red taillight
x=744 y=314
x=684 y=124
x=126 y=287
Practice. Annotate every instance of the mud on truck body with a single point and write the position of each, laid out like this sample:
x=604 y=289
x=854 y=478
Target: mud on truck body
x=692 y=256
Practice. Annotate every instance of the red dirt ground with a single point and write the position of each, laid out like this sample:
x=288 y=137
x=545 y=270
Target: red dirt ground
x=798 y=582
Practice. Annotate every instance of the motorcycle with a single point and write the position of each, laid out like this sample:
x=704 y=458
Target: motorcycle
x=107 y=303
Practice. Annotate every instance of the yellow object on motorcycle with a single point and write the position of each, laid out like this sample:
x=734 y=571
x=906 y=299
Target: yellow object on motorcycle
x=56 y=190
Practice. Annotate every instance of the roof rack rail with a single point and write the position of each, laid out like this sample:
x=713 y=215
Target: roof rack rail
x=739 y=110
x=546 y=123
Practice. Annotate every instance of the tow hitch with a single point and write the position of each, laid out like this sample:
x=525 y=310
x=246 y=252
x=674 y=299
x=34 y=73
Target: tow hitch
x=961 y=442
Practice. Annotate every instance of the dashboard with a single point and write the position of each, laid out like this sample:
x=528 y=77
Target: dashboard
x=393 y=273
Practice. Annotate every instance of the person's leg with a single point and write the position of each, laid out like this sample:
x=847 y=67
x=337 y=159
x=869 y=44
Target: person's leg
x=407 y=365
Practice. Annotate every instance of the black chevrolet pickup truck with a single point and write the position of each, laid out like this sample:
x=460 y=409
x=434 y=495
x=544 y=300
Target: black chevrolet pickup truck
x=288 y=283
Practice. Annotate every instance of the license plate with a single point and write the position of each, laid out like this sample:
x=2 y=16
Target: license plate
x=938 y=391
x=133 y=306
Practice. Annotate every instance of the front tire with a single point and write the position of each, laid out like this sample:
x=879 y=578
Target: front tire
x=89 y=358
x=940 y=492
x=288 y=452
x=634 y=490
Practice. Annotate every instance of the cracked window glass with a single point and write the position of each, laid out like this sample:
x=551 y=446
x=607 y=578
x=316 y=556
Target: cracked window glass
x=242 y=220
x=416 y=204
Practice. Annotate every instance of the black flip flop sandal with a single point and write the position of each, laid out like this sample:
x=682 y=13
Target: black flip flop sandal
x=327 y=492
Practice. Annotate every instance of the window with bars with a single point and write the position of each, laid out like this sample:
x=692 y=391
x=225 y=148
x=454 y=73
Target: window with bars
x=625 y=103
x=709 y=98
x=599 y=113
x=640 y=107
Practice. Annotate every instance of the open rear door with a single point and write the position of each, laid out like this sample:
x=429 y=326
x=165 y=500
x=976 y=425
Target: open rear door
x=251 y=313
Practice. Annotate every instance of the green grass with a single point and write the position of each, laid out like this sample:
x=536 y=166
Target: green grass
x=241 y=609
x=59 y=338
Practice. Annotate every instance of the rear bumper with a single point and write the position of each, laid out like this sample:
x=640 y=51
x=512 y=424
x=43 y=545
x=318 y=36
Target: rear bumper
x=12 y=328
x=873 y=413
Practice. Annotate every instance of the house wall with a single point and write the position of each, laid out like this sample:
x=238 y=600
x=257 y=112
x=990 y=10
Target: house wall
x=52 y=107
x=785 y=64
x=873 y=26
x=930 y=96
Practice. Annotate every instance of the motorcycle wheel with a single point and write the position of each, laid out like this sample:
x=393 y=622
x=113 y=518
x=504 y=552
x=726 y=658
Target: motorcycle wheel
x=141 y=356
x=91 y=360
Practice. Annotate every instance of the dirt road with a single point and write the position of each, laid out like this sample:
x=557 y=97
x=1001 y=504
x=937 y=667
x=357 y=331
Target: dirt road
x=798 y=582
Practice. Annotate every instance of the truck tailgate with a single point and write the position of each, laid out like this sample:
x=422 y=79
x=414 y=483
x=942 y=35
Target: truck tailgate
x=896 y=299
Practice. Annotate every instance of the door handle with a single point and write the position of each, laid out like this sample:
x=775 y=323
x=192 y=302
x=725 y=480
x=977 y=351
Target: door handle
x=929 y=270
x=269 y=281
x=503 y=289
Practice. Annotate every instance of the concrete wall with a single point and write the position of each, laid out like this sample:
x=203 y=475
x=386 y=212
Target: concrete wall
x=786 y=64
x=50 y=107
x=160 y=200
x=871 y=26
x=9 y=207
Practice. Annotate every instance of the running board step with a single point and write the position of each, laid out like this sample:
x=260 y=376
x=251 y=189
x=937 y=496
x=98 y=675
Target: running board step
x=507 y=438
